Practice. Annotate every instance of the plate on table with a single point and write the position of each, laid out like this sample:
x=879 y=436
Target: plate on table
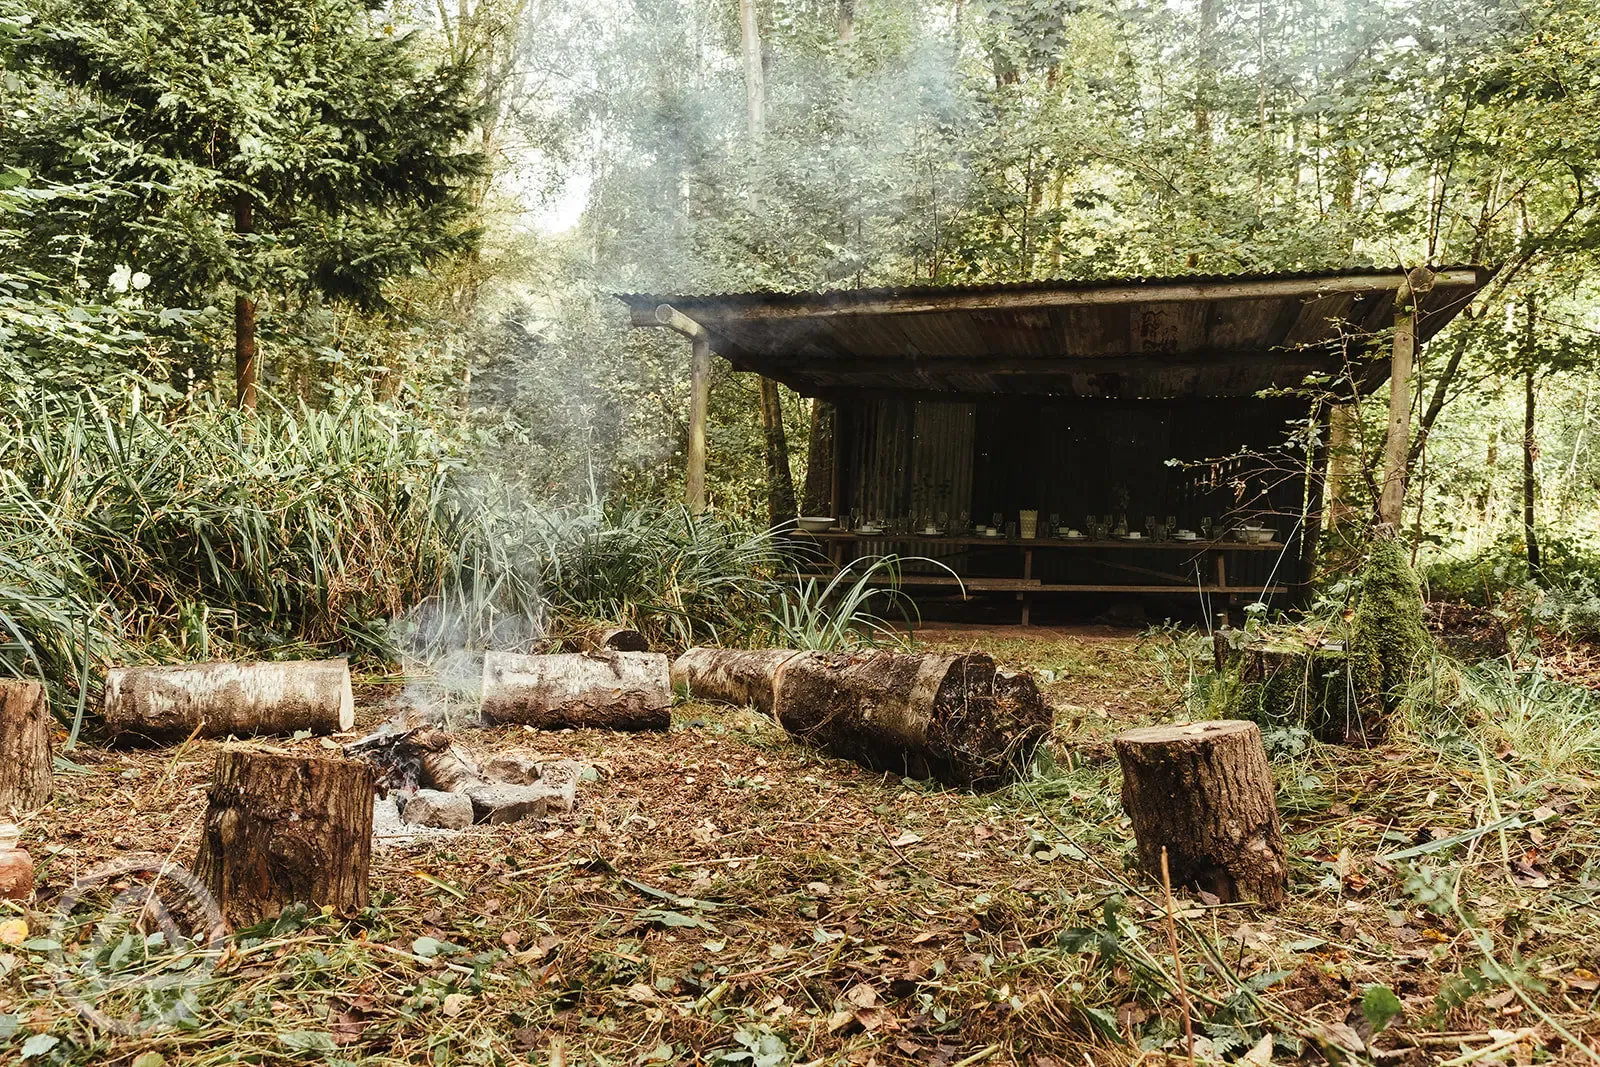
x=869 y=531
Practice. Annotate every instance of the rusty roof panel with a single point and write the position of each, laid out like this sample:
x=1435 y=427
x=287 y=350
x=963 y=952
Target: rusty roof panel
x=1197 y=335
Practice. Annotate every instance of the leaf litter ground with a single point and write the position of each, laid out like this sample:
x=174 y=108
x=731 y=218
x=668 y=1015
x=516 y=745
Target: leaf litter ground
x=721 y=894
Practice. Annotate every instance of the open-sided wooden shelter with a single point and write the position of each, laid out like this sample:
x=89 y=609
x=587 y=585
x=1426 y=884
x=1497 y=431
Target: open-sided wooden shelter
x=1128 y=399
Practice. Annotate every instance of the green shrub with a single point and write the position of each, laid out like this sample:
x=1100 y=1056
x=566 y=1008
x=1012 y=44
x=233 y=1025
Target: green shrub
x=1485 y=576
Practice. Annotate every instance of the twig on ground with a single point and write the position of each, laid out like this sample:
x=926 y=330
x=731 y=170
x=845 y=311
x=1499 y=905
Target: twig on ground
x=1177 y=960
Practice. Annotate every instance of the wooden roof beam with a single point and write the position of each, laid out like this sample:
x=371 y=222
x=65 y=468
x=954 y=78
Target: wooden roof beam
x=670 y=317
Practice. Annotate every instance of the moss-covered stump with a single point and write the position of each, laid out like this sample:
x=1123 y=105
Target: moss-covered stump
x=1295 y=685
x=1389 y=640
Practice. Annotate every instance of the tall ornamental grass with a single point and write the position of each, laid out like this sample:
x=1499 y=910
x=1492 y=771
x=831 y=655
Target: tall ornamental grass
x=130 y=535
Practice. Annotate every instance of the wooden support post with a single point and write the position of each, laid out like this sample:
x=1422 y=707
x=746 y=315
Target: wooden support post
x=1392 y=497
x=694 y=487
x=283 y=830
x=1397 y=440
x=1345 y=479
x=1204 y=792
x=699 y=400
x=1316 y=490
x=25 y=761
x=1222 y=571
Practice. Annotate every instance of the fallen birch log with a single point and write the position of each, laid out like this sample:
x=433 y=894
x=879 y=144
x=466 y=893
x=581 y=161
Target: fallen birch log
x=605 y=690
x=283 y=830
x=952 y=717
x=1203 y=792
x=168 y=704
x=737 y=676
x=26 y=777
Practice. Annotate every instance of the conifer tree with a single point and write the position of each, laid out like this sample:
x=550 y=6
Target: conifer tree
x=280 y=147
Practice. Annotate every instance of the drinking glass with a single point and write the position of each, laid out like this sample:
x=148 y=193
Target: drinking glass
x=1172 y=525
x=1205 y=526
x=1150 y=526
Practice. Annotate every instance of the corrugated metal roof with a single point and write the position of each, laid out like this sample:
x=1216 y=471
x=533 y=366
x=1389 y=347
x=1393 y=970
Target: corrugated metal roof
x=1183 y=335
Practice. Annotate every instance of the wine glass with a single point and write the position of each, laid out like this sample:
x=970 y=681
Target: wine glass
x=1172 y=526
x=1150 y=526
x=1205 y=526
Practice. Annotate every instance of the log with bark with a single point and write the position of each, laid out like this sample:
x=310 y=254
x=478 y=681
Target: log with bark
x=741 y=677
x=607 y=690
x=169 y=704
x=952 y=717
x=25 y=759
x=283 y=829
x=605 y=638
x=1204 y=792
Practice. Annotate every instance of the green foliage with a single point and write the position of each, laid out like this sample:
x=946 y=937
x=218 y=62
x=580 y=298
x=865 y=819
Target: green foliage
x=678 y=577
x=293 y=151
x=1380 y=1006
x=1570 y=609
x=839 y=615
x=1567 y=566
x=1387 y=637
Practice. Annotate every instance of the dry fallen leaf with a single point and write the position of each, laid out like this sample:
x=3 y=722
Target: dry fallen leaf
x=862 y=995
x=907 y=838
x=456 y=1003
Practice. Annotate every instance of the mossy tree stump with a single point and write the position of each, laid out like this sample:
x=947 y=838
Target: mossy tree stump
x=1204 y=792
x=26 y=778
x=283 y=829
x=1389 y=640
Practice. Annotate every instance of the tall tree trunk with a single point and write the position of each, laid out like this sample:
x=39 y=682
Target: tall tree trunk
x=780 y=480
x=244 y=319
x=1206 y=74
x=818 y=498
x=1530 y=444
x=846 y=21
x=755 y=79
